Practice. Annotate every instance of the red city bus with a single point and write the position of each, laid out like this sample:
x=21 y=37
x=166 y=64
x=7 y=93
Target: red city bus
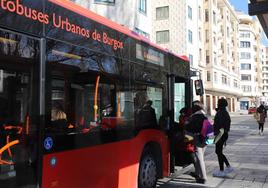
x=84 y=102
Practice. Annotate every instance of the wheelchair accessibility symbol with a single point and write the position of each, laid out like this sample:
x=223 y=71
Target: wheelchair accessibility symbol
x=48 y=143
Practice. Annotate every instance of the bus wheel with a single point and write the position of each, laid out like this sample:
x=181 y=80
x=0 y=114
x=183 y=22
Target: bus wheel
x=147 y=171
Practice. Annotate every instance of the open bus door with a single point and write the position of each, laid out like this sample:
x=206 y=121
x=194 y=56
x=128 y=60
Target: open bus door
x=182 y=99
x=180 y=96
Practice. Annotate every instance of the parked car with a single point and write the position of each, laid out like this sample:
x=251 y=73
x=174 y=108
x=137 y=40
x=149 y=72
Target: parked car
x=252 y=110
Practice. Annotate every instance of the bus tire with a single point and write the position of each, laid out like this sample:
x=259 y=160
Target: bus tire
x=147 y=177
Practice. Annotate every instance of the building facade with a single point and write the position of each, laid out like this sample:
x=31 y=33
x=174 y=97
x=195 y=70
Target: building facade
x=168 y=20
x=264 y=79
x=265 y=75
x=135 y=15
x=221 y=48
x=210 y=42
x=250 y=57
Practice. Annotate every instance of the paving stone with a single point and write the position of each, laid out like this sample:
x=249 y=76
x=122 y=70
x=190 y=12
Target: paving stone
x=261 y=180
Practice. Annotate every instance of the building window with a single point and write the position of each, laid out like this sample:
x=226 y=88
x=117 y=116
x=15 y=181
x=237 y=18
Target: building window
x=222 y=47
x=200 y=54
x=245 y=66
x=206 y=15
x=235 y=83
x=162 y=36
x=246 y=88
x=245 y=35
x=245 y=77
x=215 y=77
x=214 y=18
x=228 y=82
x=142 y=6
x=207 y=57
x=141 y=32
x=245 y=55
x=199 y=13
x=190 y=36
x=190 y=14
x=207 y=35
x=208 y=76
x=224 y=79
x=244 y=44
x=191 y=59
x=104 y=1
x=162 y=13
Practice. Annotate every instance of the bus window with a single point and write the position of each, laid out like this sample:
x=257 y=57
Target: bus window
x=86 y=102
x=148 y=107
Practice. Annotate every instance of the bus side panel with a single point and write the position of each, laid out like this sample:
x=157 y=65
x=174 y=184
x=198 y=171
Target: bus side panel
x=114 y=165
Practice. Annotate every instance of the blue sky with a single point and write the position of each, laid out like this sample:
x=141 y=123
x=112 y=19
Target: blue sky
x=242 y=5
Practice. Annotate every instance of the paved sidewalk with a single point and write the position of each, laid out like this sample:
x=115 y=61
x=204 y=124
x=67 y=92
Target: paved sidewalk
x=248 y=156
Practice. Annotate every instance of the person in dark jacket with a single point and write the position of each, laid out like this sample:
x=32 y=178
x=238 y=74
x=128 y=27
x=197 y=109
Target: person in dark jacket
x=146 y=117
x=222 y=121
x=261 y=114
x=184 y=115
x=194 y=126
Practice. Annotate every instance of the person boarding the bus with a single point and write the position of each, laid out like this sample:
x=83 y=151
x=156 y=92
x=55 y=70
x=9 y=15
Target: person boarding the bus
x=194 y=126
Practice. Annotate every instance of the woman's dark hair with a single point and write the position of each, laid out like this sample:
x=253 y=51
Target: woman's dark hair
x=222 y=102
x=260 y=109
x=183 y=110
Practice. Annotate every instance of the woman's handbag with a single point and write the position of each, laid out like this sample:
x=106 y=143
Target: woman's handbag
x=257 y=116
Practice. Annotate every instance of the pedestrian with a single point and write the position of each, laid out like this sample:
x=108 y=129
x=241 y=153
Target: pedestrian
x=184 y=143
x=146 y=116
x=184 y=115
x=261 y=115
x=222 y=121
x=194 y=126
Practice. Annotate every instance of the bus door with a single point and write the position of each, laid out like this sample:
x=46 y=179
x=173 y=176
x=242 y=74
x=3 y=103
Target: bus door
x=19 y=125
x=180 y=97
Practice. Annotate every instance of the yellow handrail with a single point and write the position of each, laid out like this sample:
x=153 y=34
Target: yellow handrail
x=6 y=147
x=96 y=99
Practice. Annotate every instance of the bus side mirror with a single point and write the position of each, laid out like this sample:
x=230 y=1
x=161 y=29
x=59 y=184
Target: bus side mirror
x=199 y=90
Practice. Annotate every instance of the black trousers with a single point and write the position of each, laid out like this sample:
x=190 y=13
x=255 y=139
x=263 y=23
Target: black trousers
x=219 y=147
x=261 y=126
